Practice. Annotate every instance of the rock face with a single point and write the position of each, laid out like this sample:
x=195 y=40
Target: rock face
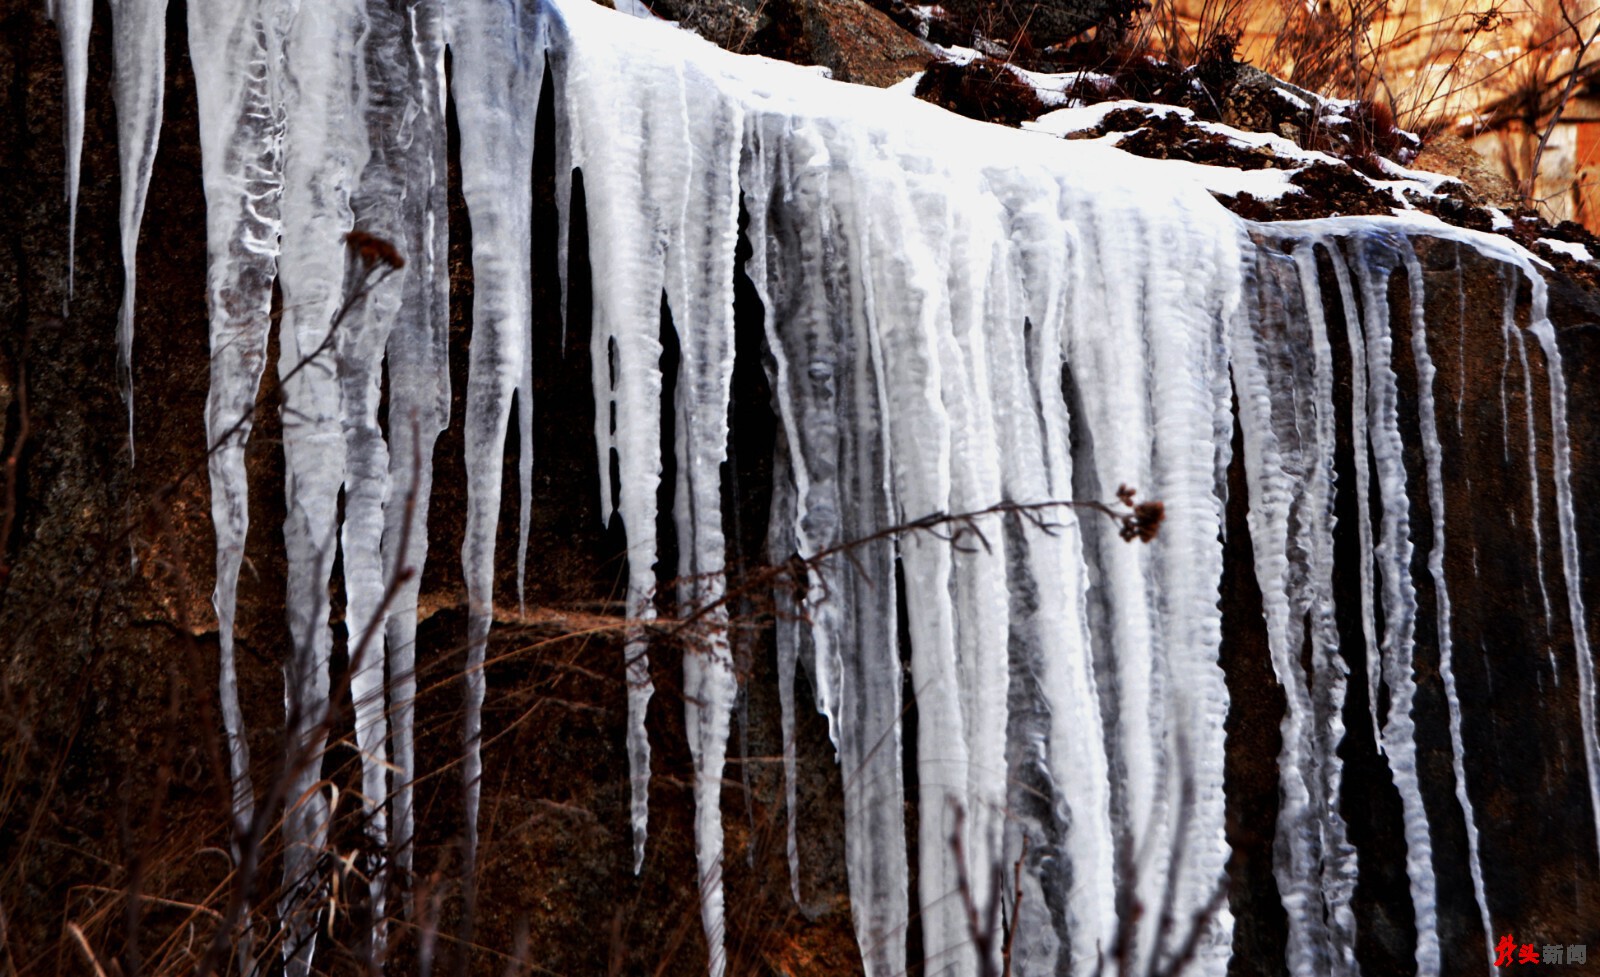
x=853 y=40
x=113 y=796
x=1038 y=24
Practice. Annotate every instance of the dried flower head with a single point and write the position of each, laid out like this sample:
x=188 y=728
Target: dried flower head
x=371 y=250
x=1144 y=522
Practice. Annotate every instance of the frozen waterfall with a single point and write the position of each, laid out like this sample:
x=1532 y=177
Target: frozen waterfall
x=959 y=318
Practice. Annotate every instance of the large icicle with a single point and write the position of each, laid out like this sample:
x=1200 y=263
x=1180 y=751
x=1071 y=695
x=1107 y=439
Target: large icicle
x=700 y=258
x=831 y=487
x=139 y=49
x=383 y=541
x=1375 y=256
x=73 y=18
x=411 y=159
x=1159 y=282
x=700 y=270
x=1059 y=794
x=324 y=151
x=499 y=64
x=241 y=133
x=836 y=481
x=1285 y=411
x=626 y=127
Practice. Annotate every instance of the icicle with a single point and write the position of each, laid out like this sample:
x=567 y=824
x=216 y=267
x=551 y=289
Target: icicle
x=1330 y=676
x=1433 y=453
x=1061 y=820
x=788 y=633
x=384 y=538
x=896 y=272
x=1566 y=518
x=324 y=151
x=1514 y=333
x=418 y=363
x=359 y=349
x=835 y=485
x=972 y=231
x=1358 y=426
x=139 y=37
x=499 y=64
x=237 y=50
x=73 y=18
x=1288 y=456
x=1377 y=254
x=700 y=257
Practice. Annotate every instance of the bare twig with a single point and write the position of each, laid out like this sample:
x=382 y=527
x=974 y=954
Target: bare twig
x=370 y=255
x=1136 y=521
x=1566 y=94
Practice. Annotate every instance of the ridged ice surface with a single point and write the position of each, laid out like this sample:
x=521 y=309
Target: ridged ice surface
x=923 y=305
x=958 y=319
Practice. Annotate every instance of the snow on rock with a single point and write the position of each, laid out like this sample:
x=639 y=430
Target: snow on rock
x=1576 y=251
x=959 y=319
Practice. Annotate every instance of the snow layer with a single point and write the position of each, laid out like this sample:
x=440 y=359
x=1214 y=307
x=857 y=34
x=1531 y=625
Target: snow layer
x=959 y=319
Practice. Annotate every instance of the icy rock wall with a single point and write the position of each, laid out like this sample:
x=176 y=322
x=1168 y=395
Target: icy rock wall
x=957 y=316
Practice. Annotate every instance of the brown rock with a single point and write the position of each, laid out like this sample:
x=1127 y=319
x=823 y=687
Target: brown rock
x=853 y=40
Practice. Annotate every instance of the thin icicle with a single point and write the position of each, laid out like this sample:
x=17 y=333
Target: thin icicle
x=73 y=18
x=324 y=151
x=1330 y=676
x=498 y=67
x=1288 y=463
x=241 y=119
x=702 y=231
x=830 y=487
x=1514 y=333
x=1377 y=257
x=383 y=541
x=1358 y=425
x=1433 y=453
x=139 y=39
x=1566 y=518
x=418 y=370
